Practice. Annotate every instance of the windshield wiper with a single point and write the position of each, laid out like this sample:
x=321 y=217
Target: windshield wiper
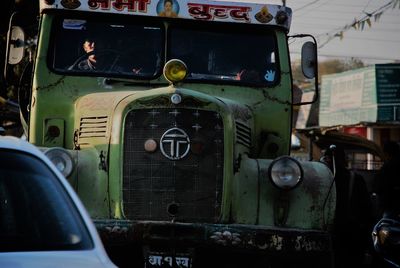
x=147 y=83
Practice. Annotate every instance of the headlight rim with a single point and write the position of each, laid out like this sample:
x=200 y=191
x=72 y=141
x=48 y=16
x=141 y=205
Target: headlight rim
x=167 y=66
x=62 y=152
x=299 y=181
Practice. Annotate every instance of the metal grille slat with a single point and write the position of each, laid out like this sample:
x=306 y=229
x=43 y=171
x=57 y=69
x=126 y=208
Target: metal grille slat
x=93 y=127
x=243 y=134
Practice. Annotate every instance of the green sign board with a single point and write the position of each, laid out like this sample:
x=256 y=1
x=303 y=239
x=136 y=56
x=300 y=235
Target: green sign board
x=388 y=92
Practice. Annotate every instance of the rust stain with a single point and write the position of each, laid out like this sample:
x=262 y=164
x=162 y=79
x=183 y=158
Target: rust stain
x=55 y=84
x=240 y=112
x=274 y=99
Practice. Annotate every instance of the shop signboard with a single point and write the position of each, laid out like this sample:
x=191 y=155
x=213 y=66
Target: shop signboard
x=388 y=92
x=370 y=94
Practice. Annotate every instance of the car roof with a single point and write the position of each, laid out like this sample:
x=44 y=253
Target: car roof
x=14 y=143
x=348 y=142
x=21 y=145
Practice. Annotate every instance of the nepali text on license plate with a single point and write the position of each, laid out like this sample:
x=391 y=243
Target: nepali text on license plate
x=160 y=260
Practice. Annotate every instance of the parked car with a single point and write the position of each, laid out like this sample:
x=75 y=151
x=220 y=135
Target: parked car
x=363 y=156
x=42 y=221
x=363 y=159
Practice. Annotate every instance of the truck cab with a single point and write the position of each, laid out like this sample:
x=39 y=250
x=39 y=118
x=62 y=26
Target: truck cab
x=172 y=121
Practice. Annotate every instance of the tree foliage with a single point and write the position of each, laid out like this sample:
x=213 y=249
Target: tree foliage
x=328 y=67
x=338 y=66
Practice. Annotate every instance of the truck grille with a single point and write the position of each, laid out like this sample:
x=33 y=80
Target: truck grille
x=156 y=187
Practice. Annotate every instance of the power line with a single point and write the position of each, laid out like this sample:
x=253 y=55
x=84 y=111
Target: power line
x=377 y=13
x=372 y=39
x=336 y=12
x=306 y=12
x=350 y=56
x=335 y=17
x=360 y=23
x=366 y=5
x=319 y=24
x=375 y=39
x=307 y=5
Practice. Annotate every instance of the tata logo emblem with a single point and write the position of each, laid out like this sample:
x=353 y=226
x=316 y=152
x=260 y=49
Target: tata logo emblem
x=175 y=144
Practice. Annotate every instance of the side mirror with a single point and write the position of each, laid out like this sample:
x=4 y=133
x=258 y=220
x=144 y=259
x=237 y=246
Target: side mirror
x=309 y=63
x=308 y=76
x=15 y=45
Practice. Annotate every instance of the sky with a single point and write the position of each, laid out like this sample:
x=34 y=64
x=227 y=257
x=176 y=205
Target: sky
x=378 y=43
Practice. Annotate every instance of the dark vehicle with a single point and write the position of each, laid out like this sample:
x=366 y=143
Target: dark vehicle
x=362 y=155
x=355 y=161
x=386 y=238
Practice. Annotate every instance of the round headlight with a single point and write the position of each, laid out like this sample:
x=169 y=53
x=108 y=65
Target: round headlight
x=61 y=159
x=175 y=70
x=285 y=172
x=385 y=235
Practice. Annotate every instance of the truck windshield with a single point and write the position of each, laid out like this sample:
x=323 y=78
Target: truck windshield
x=240 y=55
x=108 y=49
x=227 y=53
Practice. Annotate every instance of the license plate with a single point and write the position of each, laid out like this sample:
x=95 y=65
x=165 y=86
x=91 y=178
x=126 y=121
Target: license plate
x=166 y=260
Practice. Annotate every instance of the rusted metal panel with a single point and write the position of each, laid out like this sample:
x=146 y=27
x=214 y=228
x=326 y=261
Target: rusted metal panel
x=239 y=237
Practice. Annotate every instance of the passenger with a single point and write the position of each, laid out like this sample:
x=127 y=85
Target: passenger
x=248 y=76
x=353 y=221
x=255 y=74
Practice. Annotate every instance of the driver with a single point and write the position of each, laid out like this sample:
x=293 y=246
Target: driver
x=104 y=60
x=89 y=63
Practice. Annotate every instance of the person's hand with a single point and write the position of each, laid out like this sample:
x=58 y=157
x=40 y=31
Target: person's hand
x=239 y=75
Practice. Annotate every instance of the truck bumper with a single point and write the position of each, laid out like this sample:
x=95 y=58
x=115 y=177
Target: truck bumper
x=143 y=243
x=251 y=238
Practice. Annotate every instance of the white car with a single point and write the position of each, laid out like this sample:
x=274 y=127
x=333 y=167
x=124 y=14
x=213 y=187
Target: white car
x=42 y=221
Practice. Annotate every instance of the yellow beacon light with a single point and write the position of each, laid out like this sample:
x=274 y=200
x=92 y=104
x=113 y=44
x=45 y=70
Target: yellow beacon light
x=175 y=70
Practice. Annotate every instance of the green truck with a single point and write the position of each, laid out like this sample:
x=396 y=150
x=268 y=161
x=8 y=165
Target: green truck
x=172 y=121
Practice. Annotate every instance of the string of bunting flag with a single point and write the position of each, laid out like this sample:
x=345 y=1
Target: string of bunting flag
x=357 y=23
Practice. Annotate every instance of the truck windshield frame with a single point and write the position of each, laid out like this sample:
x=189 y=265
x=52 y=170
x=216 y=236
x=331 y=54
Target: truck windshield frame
x=216 y=53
